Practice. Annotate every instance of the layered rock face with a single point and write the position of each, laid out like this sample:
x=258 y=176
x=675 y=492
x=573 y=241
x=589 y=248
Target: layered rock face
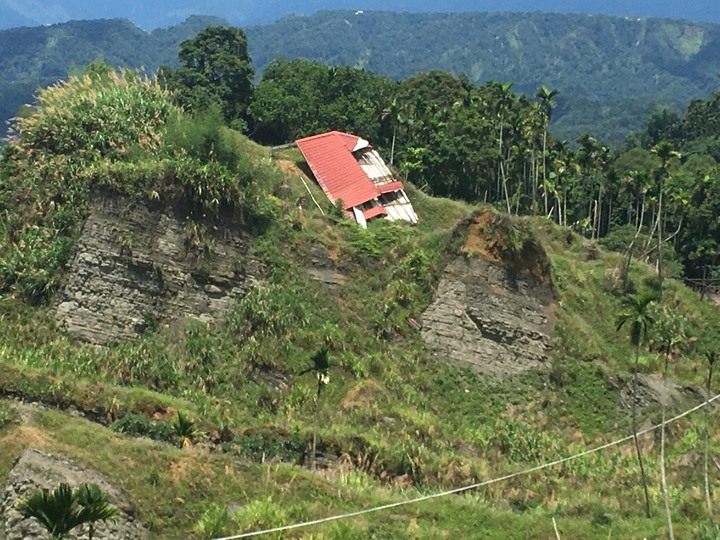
x=138 y=263
x=491 y=313
x=35 y=470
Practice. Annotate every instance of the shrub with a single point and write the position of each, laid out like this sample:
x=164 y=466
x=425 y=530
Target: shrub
x=270 y=444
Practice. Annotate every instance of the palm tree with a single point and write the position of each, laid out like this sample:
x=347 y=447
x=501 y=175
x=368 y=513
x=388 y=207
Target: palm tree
x=671 y=333
x=503 y=104
x=63 y=509
x=666 y=153
x=547 y=104
x=94 y=507
x=712 y=355
x=393 y=114
x=637 y=315
x=57 y=511
x=185 y=430
x=320 y=368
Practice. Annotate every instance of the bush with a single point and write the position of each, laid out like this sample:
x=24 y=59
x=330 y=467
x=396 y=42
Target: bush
x=270 y=444
x=138 y=425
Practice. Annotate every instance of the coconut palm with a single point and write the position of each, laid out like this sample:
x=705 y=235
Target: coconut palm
x=637 y=315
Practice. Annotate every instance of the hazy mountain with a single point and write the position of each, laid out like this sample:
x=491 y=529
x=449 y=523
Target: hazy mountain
x=166 y=13
x=611 y=71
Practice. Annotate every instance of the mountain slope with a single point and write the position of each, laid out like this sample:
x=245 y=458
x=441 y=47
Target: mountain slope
x=598 y=63
x=611 y=71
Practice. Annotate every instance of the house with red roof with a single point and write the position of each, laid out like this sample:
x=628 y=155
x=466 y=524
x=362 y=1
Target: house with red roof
x=349 y=169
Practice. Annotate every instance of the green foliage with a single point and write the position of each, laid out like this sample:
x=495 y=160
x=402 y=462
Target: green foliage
x=118 y=131
x=7 y=415
x=138 y=425
x=297 y=98
x=216 y=70
x=64 y=509
x=185 y=430
x=213 y=523
x=269 y=444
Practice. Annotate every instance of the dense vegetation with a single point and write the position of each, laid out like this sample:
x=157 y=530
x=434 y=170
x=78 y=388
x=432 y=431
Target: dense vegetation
x=611 y=71
x=402 y=421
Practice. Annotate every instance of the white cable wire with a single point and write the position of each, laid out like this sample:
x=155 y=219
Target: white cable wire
x=472 y=486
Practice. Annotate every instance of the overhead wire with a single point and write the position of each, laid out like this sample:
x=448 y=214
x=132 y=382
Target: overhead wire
x=471 y=486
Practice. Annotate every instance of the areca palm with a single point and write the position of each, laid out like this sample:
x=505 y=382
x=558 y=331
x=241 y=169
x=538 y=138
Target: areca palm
x=320 y=367
x=666 y=153
x=548 y=104
x=637 y=316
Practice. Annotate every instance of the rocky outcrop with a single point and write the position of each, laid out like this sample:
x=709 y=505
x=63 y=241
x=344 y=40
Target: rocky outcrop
x=36 y=470
x=652 y=391
x=139 y=263
x=493 y=311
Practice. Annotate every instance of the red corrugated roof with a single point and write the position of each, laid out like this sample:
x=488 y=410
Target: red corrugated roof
x=374 y=212
x=330 y=158
x=390 y=187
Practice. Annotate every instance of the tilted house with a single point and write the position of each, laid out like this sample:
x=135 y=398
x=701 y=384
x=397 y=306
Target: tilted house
x=348 y=169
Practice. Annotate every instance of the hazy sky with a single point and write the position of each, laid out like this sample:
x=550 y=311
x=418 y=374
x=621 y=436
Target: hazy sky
x=167 y=12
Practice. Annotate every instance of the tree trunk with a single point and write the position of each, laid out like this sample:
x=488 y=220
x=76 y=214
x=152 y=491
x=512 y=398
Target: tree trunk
x=635 y=437
x=392 y=148
x=660 y=234
x=315 y=426
x=708 y=499
x=663 y=481
x=631 y=249
x=545 y=193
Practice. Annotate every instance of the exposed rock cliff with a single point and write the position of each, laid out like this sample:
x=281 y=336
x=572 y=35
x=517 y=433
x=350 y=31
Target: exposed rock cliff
x=138 y=263
x=493 y=310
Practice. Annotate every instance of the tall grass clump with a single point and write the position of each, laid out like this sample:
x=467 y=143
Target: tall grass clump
x=115 y=131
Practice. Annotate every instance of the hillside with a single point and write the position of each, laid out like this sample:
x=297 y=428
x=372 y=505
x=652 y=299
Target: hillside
x=611 y=71
x=162 y=266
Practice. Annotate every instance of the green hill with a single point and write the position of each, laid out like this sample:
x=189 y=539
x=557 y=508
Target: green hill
x=611 y=71
x=158 y=264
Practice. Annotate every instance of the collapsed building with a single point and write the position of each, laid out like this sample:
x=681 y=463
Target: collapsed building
x=348 y=169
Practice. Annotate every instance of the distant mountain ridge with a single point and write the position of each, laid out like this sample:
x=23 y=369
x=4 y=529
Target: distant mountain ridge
x=611 y=71
x=166 y=13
